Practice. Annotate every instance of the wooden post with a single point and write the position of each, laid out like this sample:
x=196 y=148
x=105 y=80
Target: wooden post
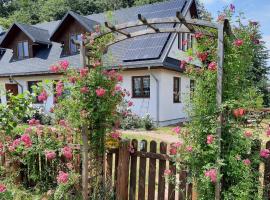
x=123 y=171
x=219 y=101
x=85 y=145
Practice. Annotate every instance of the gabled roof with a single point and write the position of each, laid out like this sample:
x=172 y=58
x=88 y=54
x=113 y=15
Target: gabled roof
x=37 y=35
x=88 y=24
x=144 y=51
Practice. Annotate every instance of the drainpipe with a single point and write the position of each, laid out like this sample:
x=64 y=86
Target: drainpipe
x=11 y=79
x=157 y=88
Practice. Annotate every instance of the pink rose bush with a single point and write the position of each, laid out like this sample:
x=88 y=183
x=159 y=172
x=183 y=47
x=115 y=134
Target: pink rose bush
x=264 y=153
x=3 y=188
x=211 y=174
x=67 y=152
x=62 y=177
x=50 y=155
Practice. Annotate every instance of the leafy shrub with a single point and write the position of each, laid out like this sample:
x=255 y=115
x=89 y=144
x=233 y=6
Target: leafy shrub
x=131 y=121
x=148 y=122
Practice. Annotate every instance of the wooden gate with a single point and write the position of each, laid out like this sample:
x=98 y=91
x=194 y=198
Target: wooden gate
x=137 y=172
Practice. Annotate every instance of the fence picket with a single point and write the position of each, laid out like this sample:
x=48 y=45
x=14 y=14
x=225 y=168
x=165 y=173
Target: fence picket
x=133 y=171
x=142 y=172
x=152 y=172
x=171 y=193
x=162 y=167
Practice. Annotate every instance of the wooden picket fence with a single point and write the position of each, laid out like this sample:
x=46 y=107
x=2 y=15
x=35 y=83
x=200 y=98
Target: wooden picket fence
x=139 y=173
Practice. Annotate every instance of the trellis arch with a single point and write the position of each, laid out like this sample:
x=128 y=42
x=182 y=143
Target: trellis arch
x=194 y=26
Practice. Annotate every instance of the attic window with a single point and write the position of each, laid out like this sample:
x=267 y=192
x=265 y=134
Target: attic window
x=73 y=47
x=23 y=49
x=185 y=41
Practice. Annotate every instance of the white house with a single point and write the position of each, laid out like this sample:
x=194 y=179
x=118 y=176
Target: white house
x=151 y=63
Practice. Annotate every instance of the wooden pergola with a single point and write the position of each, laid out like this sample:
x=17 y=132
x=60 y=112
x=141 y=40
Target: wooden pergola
x=194 y=26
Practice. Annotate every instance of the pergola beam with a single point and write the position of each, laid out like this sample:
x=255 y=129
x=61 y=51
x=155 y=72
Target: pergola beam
x=182 y=19
x=145 y=22
x=114 y=29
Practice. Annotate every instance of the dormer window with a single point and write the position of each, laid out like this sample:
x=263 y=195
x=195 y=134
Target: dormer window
x=23 y=49
x=185 y=41
x=73 y=47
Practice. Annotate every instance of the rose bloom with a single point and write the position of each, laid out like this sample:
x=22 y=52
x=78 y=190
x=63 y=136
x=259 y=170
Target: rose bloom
x=3 y=188
x=72 y=79
x=238 y=112
x=212 y=174
x=198 y=35
x=59 y=88
x=100 y=92
x=264 y=153
x=176 y=129
x=210 y=139
x=117 y=88
x=173 y=151
x=268 y=132
x=43 y=96
x=54 y=69
x=83 y=71
x=130 y=103
x=238 y=43
x=183 y=64
x=202 y=56
x=25 y=138
x=212 y=66
x=248 y=134
x=62 y=177
x=64 y=65
x=247 y=162
x=120 y=78
x=84 y=90
x=115 y=135
x=167 y=172
x=33 y=122
x=50 y=155
x=177 y=144
x=67 y=152
x=189 y=148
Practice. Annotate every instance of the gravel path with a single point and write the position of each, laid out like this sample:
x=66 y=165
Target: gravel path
x=151 y=134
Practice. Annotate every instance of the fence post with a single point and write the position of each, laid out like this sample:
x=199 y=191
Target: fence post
x=267 y=175
x=123 y=171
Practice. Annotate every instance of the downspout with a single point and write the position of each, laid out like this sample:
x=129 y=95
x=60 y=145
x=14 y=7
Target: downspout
x=157 y=88
x=11 y=78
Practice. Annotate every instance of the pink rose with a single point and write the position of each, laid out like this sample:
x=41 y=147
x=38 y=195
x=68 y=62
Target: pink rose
x=54 y=69
x=268 y=132
x=198 y=35
x=72 y=79
x=50 y=155
x=100 y=92
x=59 y=88
x=176 y=129
x=264 y=153
x=120 y=78
x=248 y=134
x=83 y=72
x=183 y=64
x=246 y=162
x=212 y=174
x=115 y=135
x=130 y=103
x=62 y=122
x=232 y=7
x=167 y=172
x=177 y=144
x=3 y=188
x=62 y=177
x=117 y=88
x=212 y=66
x=210 y=139
x=25 y=138
x=33 y=122
x=238 y=42
x=67 y=152
x=43 y=96
x=84 y=90
x=64 y=65
x=173 y=150
x=189 y=148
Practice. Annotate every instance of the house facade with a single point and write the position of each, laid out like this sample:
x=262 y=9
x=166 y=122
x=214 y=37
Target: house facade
x=150 y=63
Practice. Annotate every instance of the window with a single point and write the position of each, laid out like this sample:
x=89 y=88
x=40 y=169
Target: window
x=185 y=41
x=141 y=86
x=73 y=47
x=192 y=88
x=31 y=85
x=23 y=50
x=176 y=90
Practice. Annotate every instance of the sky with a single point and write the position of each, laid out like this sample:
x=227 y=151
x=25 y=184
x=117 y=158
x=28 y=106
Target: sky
x=255 y=10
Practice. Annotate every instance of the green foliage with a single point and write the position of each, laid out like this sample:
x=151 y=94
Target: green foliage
x=15 y=111
x=239 y=181
x=148 y=123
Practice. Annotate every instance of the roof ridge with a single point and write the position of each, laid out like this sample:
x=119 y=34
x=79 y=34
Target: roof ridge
x=31 y=25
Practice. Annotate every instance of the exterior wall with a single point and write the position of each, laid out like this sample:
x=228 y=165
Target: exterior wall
x=142 y=106
x=171 y=112
x=23 y=86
